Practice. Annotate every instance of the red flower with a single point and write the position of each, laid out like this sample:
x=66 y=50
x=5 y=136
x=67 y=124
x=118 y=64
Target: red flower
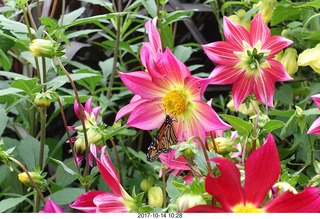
x=262 y=170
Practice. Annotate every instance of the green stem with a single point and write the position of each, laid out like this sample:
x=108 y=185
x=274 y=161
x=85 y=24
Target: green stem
x=204 y=149
x=81 y=114
x=118 y=160
x=115 y=56
x=43 y=121
x=164 y=186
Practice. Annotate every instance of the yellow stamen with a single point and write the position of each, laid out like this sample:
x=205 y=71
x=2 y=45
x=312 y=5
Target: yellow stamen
x=174 y=102
x=248 y=208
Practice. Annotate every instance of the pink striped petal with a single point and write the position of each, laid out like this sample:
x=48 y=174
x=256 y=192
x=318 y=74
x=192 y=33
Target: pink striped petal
x=129 y=108
x=264 y=90
x=85 y=202
x=224 y=74
x=315 y=127
x=307 y=201
x=153 y=34
x=259 y=31
x=276 y=71
x=170 y=161
x=262 y=169
x=196 y=86
x=316 y=99
x=109 y=203
x=140 y=83
x=51 y=207
x=147 y=115
x=222 y=53
x=226 y=187
x=88 y=105
x=241 y=90
x=275 y=44
x=107 y=171
x=235 y=33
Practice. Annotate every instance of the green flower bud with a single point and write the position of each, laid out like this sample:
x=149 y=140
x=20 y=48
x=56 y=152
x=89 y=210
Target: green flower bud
x=288 y=59
x=266 y=9
x=189 y=200
x=310 y=57
x=299 y=112
x=281 y=187
x=146 y=184
x=155 y=196
x=186 y=149
x=42 y=48
x=42 y=100
x=223 y=145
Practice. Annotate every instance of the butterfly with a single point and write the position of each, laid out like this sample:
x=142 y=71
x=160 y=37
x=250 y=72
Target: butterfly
x=161 y=143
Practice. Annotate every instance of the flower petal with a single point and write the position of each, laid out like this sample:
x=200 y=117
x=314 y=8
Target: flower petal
x=196 y=87
x=235 y=33
x=107 y=171
x=225 y=75
x=147 y=115
x=85 y=202
x=222 y=52
x=135 y=101
x=51 y=207
x=140 y=83
x=171 y=162
x=264 y=89
x=307 y=201
x=107 y=202
x=276 y=71
x=227 y=186
x=262 y=169
x=241 y=90
x=275 y=44
x=315 y=127
x=259 y=31
x=316 y=99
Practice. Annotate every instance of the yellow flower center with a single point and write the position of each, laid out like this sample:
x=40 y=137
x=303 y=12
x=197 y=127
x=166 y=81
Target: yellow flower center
x=174 y=102
x=248 y=208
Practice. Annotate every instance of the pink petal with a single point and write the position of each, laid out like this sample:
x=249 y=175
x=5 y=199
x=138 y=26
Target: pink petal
x=222 y=74
x=262 y=169
x=188 y=125
x=88 y=105
x=51 y=207
x=140 y=83
x=196 y=86
x=147 y=115
x=316 y=99
x=264 y=89
x=315 y=127
x=275 y=44
x=235 y=33
x=226 y=187
x=222 y=53
x=148 y=55
x=107 y=171
x=276 y=71
x=85 y=202
x=241 y=90
x=205 y=209
x=259 y=31
x=107 y=202
x=307 y=201
x=179 y=163
x=171 y=68
x=129 y=107
x=76 y=109
x=153 y=34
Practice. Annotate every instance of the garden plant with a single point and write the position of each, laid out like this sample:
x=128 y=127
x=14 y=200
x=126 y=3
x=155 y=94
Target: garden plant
x=159 y=106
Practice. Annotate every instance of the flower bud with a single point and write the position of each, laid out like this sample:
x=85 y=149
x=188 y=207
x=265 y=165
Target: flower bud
x=245 y=109
x=223 y=145
x=146 y=184
x=42 y=48
x=155 y=196
x=266 y=9
x=186 y=149
x=288 y=59
x=189 y=200
x=238 y=18
x=37 y=178
x=95 y=136
x=280 y=188
x=79 y=144
x=310 y=57
x=299 y=112
x=42 y=100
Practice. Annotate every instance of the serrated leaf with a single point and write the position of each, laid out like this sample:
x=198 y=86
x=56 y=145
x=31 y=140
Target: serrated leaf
x=243 y=128
x=272 y=125
x=30 y=86
x=10 y=203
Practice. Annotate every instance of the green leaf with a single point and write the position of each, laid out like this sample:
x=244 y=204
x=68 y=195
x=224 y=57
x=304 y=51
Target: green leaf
x=9 y=91
x=72 y=16
x=12 y=75
x=30 y=86
x=66 y=196
x=286 y=113
x=59 y=81
x=67 y=169
x=3 y=120
x=243 y=128
x=272 y=125
x=64 y=178
x=10 y=203
x=183 y=53
x=29 y=150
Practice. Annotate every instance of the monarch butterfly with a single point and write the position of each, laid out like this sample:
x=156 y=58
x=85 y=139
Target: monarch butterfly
x=165 y=137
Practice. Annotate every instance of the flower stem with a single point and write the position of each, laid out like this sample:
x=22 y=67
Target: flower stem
x=204 y=149
x=118 y=160
x=37 y=207
x=81 y=113
x=164 y=187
